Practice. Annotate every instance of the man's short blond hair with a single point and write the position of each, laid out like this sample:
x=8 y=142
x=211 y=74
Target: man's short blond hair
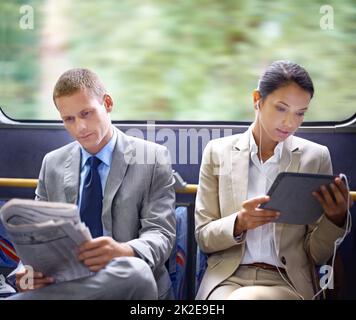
x=77 y=79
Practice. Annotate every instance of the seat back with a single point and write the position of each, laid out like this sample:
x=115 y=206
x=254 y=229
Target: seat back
x=8 y=257
x=202 y=260
x=177 y=264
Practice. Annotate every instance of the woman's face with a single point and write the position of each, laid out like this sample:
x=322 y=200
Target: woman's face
x=281 y=113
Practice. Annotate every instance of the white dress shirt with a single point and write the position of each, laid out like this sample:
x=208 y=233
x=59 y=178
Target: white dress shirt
x=260 y=241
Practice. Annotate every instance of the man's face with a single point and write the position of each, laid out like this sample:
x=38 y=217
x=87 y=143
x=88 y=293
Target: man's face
x=86 y=119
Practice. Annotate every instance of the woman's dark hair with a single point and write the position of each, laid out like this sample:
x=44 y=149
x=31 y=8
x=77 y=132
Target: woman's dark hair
x=282 y=73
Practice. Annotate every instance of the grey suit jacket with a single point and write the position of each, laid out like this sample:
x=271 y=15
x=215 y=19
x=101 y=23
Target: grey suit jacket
x=139 y=198
x=223 y=184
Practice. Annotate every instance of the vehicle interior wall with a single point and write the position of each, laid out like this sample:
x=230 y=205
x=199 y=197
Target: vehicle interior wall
x=23 y=147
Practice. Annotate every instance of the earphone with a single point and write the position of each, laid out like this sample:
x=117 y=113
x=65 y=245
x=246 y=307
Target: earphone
x=257 y=107
x=337 y=242
x=279 y=271
x=275 y=256
x=274 y=225
x=260 y=125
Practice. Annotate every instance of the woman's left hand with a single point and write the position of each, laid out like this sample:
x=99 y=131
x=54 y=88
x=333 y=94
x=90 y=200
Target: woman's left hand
x=334 y=201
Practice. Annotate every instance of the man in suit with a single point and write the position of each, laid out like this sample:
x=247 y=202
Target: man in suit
x=134 y=231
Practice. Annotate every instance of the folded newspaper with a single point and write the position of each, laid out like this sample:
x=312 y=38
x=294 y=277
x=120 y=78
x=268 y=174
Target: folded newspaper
x=5 y=289
x=46 y=236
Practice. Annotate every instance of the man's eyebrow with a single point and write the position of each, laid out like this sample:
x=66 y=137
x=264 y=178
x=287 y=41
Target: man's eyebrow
x=86 y=109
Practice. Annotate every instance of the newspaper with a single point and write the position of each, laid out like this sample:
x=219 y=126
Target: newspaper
x=46 y=236
x=5 y=289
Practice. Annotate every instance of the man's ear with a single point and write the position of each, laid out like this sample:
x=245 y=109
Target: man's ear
x=108 y=103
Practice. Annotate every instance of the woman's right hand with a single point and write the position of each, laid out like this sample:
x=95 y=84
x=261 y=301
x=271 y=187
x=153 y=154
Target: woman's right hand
x=24 y=281
x=250 y=216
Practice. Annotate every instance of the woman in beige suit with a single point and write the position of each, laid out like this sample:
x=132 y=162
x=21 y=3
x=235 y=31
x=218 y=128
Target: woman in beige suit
x=249 y=256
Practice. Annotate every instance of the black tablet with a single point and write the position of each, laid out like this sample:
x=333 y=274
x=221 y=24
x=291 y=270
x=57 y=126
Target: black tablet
x=291 y=195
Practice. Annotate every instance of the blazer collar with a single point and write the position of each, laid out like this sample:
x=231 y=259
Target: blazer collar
x=122 y=156
x=243 y=143
x=240 y=157
x=71 y=174
x=290 y=159
x=290 y=162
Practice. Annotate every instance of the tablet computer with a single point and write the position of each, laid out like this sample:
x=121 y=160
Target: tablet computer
x=291 y=195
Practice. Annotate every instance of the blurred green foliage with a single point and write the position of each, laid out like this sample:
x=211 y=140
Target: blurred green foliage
x=179 y=60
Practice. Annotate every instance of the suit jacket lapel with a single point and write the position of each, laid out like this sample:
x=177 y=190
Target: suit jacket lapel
x=290 y=162
x=240 y=157
x=122 y=156
x=71 y=175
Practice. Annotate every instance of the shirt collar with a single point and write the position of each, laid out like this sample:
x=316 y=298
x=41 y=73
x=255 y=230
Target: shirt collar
x=105 y=154
x=254 y=149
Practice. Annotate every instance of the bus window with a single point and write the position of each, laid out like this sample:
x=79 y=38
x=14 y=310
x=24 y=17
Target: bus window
x=175 y=60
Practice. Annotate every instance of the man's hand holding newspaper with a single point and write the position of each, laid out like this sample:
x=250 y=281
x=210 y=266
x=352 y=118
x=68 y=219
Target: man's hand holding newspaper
x=46 y=236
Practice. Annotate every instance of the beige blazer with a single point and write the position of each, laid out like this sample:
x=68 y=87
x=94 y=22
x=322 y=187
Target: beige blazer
x=223 y=184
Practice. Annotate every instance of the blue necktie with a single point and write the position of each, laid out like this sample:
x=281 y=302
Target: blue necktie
x=92 y=199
